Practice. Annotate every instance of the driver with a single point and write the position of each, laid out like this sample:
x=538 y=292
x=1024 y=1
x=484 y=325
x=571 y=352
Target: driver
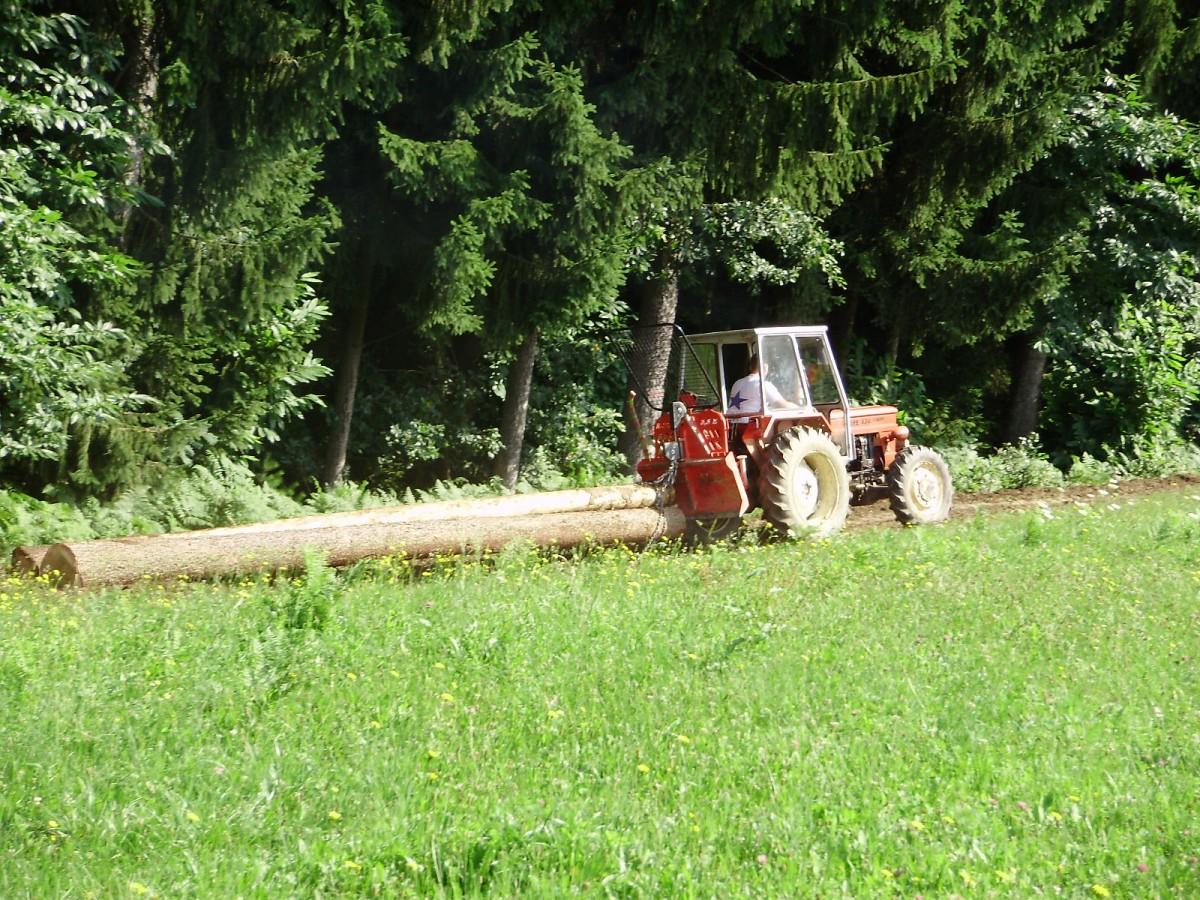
x=747 y=394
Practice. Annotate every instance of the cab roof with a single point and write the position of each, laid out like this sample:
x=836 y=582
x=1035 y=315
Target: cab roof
x=745 y=335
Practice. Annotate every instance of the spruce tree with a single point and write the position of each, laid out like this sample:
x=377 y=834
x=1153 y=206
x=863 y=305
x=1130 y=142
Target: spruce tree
x=939 y=251
x=746 y=103
x=242 y=97
x=515 y=211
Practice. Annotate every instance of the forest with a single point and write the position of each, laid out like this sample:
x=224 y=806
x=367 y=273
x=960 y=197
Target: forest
x=381 y=242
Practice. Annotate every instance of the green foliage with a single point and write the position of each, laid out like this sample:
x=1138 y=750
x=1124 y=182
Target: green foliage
x=1011 y=466
x=527 y=201
x=1024 y=465
x=63 y=149
x=173 y=174
x=227 y=312
x=616 y=724
x=25 y=520
x=1156 y=457
x=1124 y=329
x=220 y=492
x=735 y=234
x=932 y=422
x=304 y=603
x=1086 y=469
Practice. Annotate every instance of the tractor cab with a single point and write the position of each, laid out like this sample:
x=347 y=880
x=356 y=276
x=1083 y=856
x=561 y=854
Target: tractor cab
x=760 y=417
x=797 y=379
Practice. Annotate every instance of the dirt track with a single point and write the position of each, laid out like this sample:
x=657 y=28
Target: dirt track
x=967 y=505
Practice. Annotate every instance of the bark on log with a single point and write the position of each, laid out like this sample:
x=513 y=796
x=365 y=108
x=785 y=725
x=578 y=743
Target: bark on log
x=197 y=555
x=28 y=560
x=619 y=496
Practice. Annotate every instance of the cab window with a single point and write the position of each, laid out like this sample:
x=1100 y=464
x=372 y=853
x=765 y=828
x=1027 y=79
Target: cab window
x=782 y=387
x=818 y=370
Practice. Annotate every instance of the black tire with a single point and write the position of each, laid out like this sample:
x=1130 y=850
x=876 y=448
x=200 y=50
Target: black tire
x=706 y=529
x=805 y=488
x=920 y=490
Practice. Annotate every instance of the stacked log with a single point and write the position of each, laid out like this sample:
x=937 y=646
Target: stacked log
x=28 y=560
x=621 y=514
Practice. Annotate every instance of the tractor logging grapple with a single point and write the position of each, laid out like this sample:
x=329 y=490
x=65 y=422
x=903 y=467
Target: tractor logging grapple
x=760 y=418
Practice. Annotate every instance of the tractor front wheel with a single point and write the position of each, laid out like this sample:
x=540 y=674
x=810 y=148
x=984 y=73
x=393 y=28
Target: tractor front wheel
x=919 y=487
x=805 y=487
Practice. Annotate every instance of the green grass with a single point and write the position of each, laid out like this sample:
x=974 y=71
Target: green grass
x=989 y=708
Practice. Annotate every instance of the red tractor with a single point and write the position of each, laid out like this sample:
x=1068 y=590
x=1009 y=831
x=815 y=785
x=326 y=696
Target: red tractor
x=758 y=417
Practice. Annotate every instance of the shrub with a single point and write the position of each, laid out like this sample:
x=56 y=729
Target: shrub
x=1012 y=466
x=1157 y=457
x=1086 y=469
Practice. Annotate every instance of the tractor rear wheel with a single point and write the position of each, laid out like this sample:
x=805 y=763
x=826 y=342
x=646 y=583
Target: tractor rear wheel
x=706 y=529
x=805 y=487
x=919 y=487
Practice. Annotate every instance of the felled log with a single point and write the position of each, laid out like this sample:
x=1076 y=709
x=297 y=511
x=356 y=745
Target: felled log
x=624 y=496
x=198 y=555
x=621 y=496
x=27 y=560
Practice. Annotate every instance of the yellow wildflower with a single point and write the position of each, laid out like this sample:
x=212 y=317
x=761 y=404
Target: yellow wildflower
x=192 y=817
x=446 y=697
x=643 y=768
x=683 y=739
x=1100 y=890
x=335 y=816
x=352 y=865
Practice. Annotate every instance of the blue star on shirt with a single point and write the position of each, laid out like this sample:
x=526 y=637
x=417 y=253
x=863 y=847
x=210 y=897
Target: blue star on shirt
x=737 y=400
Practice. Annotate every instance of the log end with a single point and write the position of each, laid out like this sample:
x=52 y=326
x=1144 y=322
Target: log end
x=28 y=560
x=60 y=565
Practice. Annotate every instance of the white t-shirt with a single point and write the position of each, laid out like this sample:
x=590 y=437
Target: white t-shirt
x=746 y=397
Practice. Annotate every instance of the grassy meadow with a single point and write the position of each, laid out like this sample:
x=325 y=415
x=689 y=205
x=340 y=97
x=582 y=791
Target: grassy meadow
x=1007 y=706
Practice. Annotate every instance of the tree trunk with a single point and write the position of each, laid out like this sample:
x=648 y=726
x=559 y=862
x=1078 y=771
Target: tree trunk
x=892 y=352
x=842 y=328
x=126 y=561
x=650 y=356
x=1029 y=364
x=516 y=411
x=139 y=86
x=347 y=386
